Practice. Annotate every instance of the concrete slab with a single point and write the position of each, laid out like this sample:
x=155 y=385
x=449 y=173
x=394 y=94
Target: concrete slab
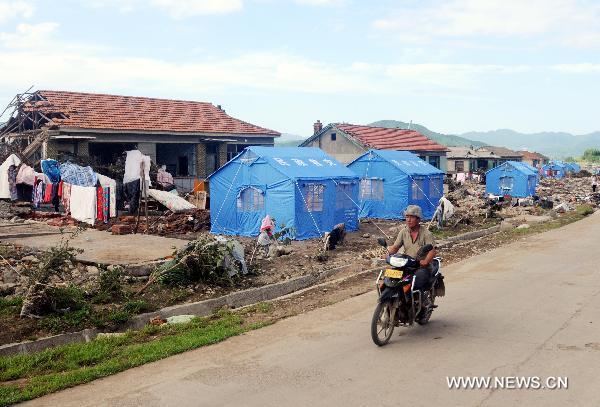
x=98 y=246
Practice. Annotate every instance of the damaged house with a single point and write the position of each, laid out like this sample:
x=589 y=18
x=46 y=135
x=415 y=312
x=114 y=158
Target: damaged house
x=192 y=139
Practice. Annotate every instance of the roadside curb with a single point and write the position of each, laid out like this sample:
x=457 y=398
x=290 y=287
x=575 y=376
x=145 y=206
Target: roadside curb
x=237 y=299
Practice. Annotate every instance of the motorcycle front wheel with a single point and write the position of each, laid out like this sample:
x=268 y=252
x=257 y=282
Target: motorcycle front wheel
x=382 y=324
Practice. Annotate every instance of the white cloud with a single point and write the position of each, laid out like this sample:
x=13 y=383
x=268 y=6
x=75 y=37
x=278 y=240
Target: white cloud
x=175 y=8
x=13 y=9
x=29 y=36
x=185 y=8
x=320 y=2
x=578 y=68
x=570 y=22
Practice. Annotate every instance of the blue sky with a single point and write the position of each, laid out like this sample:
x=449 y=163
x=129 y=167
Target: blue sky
x=453 y=66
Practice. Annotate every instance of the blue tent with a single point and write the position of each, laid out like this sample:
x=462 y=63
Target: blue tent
x=391 y=180
x=573 y=167
x=300 y=187
x=511 y=178
x=554 y=169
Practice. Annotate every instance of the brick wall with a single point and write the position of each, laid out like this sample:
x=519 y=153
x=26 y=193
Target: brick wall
x=83 y=148
x=222 y=154
x=201 y=160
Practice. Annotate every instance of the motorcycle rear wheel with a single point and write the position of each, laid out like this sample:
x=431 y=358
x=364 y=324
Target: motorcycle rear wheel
x=382 y=324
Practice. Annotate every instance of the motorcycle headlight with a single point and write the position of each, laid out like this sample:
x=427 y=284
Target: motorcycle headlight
x=398 y=261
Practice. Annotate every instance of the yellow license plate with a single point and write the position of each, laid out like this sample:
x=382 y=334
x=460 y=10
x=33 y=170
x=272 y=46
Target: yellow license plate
x=391 y=273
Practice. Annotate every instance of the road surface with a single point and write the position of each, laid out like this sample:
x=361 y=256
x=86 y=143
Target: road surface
x=526 y=309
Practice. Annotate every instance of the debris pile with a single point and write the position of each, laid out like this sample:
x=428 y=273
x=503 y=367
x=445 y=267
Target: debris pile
x=573 y=191
x=193 y=221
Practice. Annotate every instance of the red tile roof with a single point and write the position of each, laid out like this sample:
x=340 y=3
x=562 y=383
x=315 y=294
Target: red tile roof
x=391 y=139
x=112 y=112
x=528 y=155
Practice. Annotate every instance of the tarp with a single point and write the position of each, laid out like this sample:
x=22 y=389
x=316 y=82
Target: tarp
x=392 y=180
x=511 y=178
x=173 y=202
x=300 y=187
x=572 y=167
x=554 y=169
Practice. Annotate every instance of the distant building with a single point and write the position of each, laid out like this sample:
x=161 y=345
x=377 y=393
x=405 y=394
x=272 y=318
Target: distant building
x=469 y=159
x=346 y=142
x=534 y=159
x=193 y=139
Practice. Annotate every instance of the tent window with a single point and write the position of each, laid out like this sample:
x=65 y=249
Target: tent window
x=417 y=189
x=530 y=183
x=343 y=196
x=434 y=189
x=371 y=189
x=506 y=183
x=313 y=195
x=251 y=200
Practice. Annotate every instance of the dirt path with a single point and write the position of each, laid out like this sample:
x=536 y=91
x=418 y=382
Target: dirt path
x=525 y=309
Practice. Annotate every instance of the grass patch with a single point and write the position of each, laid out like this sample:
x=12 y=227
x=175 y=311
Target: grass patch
x=10 y=306
x=24 y=377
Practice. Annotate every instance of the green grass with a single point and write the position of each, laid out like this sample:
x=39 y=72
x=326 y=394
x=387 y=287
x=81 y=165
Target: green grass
x=9 y=306
x=579 y=213
x=24 y=377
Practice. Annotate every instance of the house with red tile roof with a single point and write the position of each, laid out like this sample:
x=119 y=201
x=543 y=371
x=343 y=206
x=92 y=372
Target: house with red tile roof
x=192 y=139
x=346 y=142
x=534 y=159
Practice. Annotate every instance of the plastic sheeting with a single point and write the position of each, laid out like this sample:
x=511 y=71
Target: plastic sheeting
x=171 y=201
x=407 y=180
x=283 y=183
x=511 y=178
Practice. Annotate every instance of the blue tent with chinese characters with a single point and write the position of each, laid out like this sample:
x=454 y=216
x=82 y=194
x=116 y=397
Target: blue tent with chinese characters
x=391 y=180
x=554 y=169
x=511 y=178
x=300 y=187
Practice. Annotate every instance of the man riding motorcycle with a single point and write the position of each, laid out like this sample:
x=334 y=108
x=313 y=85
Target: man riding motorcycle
x=412 y=238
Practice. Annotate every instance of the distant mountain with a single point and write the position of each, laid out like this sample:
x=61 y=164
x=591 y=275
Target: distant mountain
x=289 y=140
x=553 y=144
x=444 y=139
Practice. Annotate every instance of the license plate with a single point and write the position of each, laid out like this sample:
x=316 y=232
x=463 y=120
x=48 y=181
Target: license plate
x=391 y=273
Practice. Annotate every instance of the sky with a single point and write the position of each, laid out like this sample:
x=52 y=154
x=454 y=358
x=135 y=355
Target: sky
x=454 y=66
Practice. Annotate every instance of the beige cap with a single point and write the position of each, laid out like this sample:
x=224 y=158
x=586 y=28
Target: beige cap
x=414 y=210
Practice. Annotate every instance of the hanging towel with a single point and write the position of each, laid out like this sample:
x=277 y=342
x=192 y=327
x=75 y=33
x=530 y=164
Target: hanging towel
x=26 y=175
x=12 y=182
x=132 y=167
x=77 y=175
x=50 y=168
x=38 y=193
x=4 y=185
x=66 y=196
x=82 y=203
x=107 y=205
x=47 y=193
x=99 y=204
x=112 y=184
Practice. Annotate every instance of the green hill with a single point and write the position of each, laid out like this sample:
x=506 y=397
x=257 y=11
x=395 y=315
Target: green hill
x=444 y=139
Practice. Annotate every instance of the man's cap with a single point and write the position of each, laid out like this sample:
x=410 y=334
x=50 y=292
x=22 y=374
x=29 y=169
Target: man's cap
x=414 y=210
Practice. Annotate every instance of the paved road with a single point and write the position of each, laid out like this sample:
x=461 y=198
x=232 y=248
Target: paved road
x=526 y=309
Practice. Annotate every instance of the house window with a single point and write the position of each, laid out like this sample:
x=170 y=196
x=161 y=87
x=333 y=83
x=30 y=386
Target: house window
x=459 y=166
x=417 y=189
x=313 y=196
x=343 y=196
x=251 y=200
x=371 y=189
x=435 y=161
x=423 y=157
x=235 y=149
x=333 y=136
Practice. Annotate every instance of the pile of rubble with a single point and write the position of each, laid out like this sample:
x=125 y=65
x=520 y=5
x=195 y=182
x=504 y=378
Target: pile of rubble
x=570 y=190
x=193 y=221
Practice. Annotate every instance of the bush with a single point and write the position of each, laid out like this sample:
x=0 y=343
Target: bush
x=110 y=286
x=585 y=210
x=70 y=297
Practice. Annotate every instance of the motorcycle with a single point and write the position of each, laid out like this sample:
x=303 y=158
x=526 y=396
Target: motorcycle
x=399 y=304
